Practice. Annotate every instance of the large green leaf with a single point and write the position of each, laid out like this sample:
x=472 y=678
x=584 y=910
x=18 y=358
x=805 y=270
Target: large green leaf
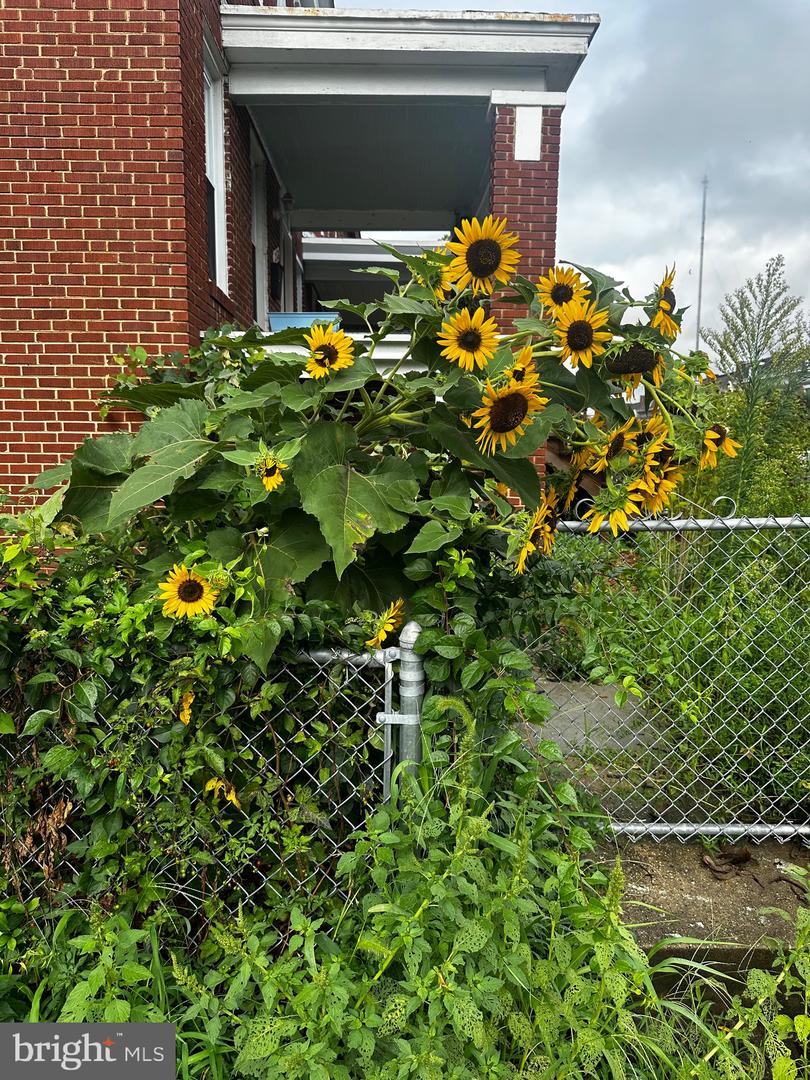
x=294 y=548
x=520 y=475
x=108 y=454
x=181 y=422
x=50 y=478
x=405 y=305
x=597 y=395
x=154 y=481
x=349 y=506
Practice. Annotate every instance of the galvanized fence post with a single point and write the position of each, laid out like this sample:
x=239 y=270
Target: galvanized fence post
x=411 y=693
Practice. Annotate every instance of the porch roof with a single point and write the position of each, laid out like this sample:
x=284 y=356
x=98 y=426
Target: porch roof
x=381 y=119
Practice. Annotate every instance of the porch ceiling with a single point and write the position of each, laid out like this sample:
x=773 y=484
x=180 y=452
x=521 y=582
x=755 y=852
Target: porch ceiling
x=382 y=119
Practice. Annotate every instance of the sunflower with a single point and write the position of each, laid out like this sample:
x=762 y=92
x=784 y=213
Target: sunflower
x=223 y=787
x=482 y=254
x=715 y=440
x=620 y=441
x=659 y=486
x=329 y=350
x=184 y=715
x=559 y=287
x=578 y=328
x=186 y=593
x=616 y=508
x=540 y=534
x=269 y=468
x=523 y=372
x=390 y=620
x=440 y=280
x=469 y=340
x=662 y=320
x=505 y=414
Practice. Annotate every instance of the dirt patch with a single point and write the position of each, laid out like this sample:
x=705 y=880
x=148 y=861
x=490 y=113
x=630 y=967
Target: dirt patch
x=671 y=890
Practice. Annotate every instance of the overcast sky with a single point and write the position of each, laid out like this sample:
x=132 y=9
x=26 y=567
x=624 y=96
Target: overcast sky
x=671 y=90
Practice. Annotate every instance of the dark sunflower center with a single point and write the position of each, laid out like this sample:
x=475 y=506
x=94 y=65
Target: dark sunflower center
x=190 y=591
x=326 y=354
x=637 y=360
x=719 y=431
x=669 y=296
x=519 y=374
x=508 y=412
x=561 y=294
x=270 y=471
x=580 y=335
x=470 y=340
x=615 y=446
x=483 y=258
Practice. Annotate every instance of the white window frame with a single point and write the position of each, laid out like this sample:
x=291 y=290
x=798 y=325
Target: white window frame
x=258 y=224
x=214 y=91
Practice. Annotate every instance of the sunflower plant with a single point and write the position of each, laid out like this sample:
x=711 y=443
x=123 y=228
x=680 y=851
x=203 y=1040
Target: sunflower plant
x=330 y=471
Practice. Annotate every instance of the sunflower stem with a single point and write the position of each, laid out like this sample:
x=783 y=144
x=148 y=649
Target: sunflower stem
x=662 y=407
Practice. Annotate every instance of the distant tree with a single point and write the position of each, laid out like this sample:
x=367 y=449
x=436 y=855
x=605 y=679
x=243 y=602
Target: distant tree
x=763 y=350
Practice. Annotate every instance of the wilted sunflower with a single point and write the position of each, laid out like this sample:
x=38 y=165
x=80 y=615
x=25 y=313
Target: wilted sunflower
x=185 y=707
x=185 y=592
x=541 y=533
x=659 y=487
x=523 y=372
x=615 y=507
x=617 y=442
x=223 y=787
x=268 y=469
x=390 y=620
x=715 y=440
x=578 y=328
x=483 y=255
x=329 y=350
x=559 y=287
x=662 y=320
x=505 y=414
x=469 y=340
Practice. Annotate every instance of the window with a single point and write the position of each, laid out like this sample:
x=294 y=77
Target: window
x=215 y=168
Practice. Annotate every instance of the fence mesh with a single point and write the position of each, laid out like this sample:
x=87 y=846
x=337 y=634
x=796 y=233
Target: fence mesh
x=311 y=761
x=712 y=618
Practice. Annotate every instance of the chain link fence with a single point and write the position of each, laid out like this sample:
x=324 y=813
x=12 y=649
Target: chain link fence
x=702 y=626
x=311 y=762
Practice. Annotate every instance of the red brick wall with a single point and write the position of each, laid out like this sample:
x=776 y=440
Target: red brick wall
x=103 y=239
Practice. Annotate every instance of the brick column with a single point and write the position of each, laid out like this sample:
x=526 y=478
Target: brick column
x=524 y=178
x=524 y=189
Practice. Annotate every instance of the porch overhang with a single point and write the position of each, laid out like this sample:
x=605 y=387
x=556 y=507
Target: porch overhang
x=381 y=119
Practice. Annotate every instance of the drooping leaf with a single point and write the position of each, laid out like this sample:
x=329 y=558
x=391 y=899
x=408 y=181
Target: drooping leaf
x=164 y=394
x=405 y=305
x=538 y=431
x=520 y=475
x=294 y=548
x=350 y=507
x=88 y=497
x=226 y=544
x=259 y=641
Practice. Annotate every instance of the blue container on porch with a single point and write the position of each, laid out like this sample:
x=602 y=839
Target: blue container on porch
x=291 y=320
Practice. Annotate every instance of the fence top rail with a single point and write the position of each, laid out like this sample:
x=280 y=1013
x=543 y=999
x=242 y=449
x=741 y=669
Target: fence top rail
x=692 y=524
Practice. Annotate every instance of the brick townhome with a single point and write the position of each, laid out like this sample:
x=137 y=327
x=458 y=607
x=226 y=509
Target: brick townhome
x=162 y=163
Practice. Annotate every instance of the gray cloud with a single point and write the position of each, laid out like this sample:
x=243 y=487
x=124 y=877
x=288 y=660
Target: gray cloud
x=668 y=92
